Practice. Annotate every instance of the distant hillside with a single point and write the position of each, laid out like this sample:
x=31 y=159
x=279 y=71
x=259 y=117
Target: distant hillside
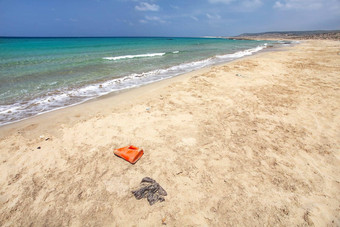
x=320 y=34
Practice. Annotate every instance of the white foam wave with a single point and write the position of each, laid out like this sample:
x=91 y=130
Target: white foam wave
x=175 y=52
x=134 y=56
x=243 y=53
x=63 y=98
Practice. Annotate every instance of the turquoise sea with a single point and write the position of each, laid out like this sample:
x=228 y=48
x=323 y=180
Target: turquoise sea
x=43 y=74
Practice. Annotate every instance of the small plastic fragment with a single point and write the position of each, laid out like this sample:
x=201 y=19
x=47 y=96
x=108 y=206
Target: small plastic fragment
x=130 y=153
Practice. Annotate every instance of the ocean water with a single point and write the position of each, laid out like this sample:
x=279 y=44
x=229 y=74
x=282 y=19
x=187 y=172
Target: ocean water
x=38 y=75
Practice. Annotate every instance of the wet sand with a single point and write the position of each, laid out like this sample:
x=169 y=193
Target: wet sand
x=251 y=142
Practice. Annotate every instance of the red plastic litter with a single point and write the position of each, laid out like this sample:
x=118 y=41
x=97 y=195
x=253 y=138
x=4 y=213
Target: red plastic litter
x=130 y=153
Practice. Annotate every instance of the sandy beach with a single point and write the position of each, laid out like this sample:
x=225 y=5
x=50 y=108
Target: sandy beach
x=254 y=142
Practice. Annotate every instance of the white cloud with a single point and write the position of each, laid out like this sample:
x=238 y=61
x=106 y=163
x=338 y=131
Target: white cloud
x=194 y=18
x=278 y=5
x=251 y=4
x=213 y=17
x=154 y=18
x=221 y=1
x=144 y=6
x=241 y=5
x=301 y=4
x=174 y=7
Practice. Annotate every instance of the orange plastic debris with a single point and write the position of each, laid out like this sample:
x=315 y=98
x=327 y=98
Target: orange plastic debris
x=129 y=153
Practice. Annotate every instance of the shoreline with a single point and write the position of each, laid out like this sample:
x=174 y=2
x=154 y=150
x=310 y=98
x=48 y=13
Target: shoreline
x=10 y=125
x=97 y=103
x=64 y=97
x=252 y=141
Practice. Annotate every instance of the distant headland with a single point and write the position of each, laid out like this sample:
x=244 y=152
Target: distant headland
x=295 y=35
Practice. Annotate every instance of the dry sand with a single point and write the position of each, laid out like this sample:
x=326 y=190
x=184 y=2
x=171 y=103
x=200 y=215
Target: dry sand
x=253 y=149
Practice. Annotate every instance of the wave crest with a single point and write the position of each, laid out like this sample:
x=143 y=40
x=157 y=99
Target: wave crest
x=134 y=56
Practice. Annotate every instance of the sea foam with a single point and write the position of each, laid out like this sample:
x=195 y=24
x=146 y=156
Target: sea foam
x=134 y=56
x=67 y=97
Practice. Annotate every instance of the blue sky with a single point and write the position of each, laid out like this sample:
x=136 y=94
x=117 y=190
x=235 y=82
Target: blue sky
x=164 y=18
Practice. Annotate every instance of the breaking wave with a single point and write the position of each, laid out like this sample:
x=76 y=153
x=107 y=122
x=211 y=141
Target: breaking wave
x=134 y=56
x=61 y=98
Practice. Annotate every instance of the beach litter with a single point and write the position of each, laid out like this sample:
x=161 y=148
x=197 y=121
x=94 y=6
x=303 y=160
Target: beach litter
x=163 y=221
x=151 y=190
x=44 y=138
x=130 y=153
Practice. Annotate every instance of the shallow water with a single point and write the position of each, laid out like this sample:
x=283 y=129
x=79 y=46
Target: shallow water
x=42 y=74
